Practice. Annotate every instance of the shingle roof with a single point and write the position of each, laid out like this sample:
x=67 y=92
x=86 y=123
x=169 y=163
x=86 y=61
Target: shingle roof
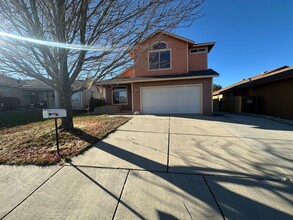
x=265 y=77
x=210 y=45
x=35 y=85
x=192 y=74
x=9 y=81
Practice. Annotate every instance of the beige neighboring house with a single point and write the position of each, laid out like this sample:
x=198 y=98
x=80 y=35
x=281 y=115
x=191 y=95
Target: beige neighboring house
x=32 y=93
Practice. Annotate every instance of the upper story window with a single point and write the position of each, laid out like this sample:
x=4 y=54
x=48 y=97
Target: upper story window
x=159 y=56
x=198 y=50
x=159 y=45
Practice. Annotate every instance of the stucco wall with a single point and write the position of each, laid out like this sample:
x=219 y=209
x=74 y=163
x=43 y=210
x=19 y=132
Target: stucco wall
x=276 y=98
x=179 y=56
x=206 y=91
x=198 y=61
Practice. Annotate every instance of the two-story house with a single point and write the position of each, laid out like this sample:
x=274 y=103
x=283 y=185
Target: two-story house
x=170 y=75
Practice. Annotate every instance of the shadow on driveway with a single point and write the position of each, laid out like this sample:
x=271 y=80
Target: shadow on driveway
x=275 y=203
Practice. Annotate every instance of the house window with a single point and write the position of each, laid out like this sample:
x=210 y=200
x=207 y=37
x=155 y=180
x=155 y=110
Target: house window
x=159 y=57
x=75 y=98
x=120 y=95
x=159 y=45
x=199 y=50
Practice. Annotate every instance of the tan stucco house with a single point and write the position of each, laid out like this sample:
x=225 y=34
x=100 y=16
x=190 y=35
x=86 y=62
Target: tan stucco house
x=32 y=93
x=268 y=93
x=169 y=75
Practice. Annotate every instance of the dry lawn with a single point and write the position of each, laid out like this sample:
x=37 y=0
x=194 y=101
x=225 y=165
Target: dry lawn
x=35 y=143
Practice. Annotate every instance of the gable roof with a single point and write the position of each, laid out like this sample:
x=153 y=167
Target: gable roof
x=9 y=81
x=282 y=72
x=35 y=84
x=191 y=43
x=209 y=45
x=166 y=33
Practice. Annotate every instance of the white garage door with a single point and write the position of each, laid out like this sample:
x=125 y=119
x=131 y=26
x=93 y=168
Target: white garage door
x=171 y=99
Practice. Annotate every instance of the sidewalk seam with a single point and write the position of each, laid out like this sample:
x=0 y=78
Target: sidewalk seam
x=168 y=146
x=120 y=196
x=31 y=193
x=253 y=177
x=218 y=205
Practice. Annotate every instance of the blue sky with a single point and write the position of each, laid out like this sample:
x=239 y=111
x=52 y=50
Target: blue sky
x=251 y=36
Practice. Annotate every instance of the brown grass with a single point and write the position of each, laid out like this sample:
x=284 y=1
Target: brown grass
x=35 y=143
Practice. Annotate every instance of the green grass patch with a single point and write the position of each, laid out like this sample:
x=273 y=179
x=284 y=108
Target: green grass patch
x=34 y=143
x=10 y=119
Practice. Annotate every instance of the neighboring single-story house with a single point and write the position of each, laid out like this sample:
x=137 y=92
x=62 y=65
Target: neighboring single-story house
x=170 y=75
x=268 y=93
x=32 y=93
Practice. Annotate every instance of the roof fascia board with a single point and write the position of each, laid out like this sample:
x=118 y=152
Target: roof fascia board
x=163 y=79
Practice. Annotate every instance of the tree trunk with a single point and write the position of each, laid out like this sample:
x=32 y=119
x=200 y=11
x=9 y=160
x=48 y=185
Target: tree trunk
x=65 y=96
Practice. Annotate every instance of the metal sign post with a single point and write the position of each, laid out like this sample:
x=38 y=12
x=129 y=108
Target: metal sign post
x=55 y=113
x=57 y=141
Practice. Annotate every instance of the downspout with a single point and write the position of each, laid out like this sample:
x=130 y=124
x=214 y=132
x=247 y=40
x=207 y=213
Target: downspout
x=132 y=104
x=187 y=58
x=57 y=99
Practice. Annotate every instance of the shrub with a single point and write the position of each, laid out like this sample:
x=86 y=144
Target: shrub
x=95 y=103
x=9 y=103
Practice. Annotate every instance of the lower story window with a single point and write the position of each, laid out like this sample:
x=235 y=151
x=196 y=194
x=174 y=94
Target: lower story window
x=120 y=95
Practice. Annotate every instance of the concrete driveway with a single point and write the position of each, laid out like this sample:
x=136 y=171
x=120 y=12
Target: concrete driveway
x=161 y=167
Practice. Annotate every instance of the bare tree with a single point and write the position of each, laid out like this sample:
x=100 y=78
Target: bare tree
x=60 y=41
x=216 y=87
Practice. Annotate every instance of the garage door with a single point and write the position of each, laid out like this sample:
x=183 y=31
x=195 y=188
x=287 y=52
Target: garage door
x=171 y=99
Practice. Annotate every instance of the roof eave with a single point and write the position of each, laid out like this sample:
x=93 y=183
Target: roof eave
x=163 y=32
x=159 y=79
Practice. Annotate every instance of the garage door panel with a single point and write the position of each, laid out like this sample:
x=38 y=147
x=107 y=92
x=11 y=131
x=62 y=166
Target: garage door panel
x=173 y=99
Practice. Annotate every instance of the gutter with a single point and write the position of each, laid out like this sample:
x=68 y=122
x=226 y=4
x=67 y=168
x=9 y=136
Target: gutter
x=159 y=79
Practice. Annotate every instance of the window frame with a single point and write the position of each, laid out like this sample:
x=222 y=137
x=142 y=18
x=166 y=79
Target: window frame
x=202 y=48
x=152 y=47
x=158 y=51
x=120 y=90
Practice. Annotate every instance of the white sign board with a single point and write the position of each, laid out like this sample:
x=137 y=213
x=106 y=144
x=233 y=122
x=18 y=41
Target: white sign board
x=54 y=113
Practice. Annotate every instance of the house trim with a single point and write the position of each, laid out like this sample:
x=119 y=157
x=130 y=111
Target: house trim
x=159 y=42
x=132 y=102
x=206 y=50
x=156 y=80
x=126 y=94
x=187 y=59
x=150 y=51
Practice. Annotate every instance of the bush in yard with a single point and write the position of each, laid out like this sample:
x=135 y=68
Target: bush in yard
x=95 y=103
x=9 y=103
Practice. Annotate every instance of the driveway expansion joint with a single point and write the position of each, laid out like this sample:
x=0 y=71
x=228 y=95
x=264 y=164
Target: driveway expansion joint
x=252 y=177
x=168 y=146
x=138 y=131
x=213 y=195
x=32 y=192
x=120 y=196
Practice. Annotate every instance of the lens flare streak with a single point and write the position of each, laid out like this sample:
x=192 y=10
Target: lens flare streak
x=57 y=44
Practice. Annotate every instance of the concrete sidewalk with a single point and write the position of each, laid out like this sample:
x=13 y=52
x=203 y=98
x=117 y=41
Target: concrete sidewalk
x=228 y=167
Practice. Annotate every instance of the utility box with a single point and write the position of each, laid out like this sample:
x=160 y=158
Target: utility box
x=54 y=113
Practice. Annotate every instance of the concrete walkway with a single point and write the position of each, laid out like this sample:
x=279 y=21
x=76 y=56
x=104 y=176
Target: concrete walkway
x=220 y=167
